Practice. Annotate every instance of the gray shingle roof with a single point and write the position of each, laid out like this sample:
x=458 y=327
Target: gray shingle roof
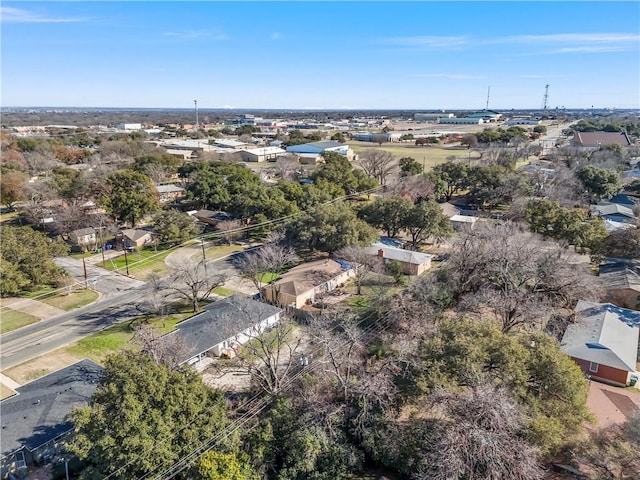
x=399 y=254
x=604 y=334
x=221 y=321
x=612 y=209
x=37 y=413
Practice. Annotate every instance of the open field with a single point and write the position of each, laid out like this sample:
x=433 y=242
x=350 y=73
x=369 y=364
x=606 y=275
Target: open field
x=76 y=299
x=13 y=319
x=429 y=157
x=141 y=263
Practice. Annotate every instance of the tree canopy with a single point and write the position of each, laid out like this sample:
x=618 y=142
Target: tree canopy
x=143 y=416
x=27 y=259
x=130 y=196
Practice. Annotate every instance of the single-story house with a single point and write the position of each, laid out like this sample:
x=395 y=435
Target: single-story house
x=413 y=263
x=262 y=154
x=302 y=284
x=613 y=211
x=229 y=143
x=461 y=222
x=34 y=420
x=169 y=193
x=621 y=278
x=180 y=153
x=134 y=237
x=84 y=239
x=223 y=325
x=211 y=217
x=595 y=140
x=321 y=147
x=604 y=341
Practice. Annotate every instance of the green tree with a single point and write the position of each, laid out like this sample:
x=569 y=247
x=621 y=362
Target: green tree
x=541 y=129
x=599 y=182
x=330 y=227
x=409 y=166
x=455 y=175
x=337 y=171
x=27 y=259
x=130 y=196
x=387 y=213
x=143 y=416
x=426 y=220
x=173 y=226
x=223 y=466
x=69 y=183
x=338 y=137
x=532 y=367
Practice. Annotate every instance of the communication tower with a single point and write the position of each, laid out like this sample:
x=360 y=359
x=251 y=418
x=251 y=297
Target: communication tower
x=545 y=99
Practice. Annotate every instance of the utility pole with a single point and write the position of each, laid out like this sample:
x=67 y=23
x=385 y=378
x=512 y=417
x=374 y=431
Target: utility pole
x=204 y=256
x=86 y=282
x=126 y=261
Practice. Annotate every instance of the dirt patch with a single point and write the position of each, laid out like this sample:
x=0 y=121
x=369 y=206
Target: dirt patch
x=38 y=367
x=611 y=405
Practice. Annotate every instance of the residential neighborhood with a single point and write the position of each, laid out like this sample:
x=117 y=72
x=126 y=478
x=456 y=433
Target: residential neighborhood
x=225 y=255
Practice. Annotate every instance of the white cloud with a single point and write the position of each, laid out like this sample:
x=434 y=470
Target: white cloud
x=573 y=38
x=196 y=35
x=424 y=42
x=453 y=76
x=18 y=15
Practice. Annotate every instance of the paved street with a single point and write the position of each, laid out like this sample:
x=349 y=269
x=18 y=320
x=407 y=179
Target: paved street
x=100 y=279
x=45 y=336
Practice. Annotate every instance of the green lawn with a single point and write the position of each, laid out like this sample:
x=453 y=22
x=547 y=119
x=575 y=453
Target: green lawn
x=77 y=299
x=267 y=277
x=41 y=292
x=110 y=340
x=223 y=292
x=429 y=157
x=12 y=319
x=141 y=263
x=219 y=251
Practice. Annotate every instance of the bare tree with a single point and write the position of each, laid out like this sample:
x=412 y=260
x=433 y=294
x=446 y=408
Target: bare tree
x=516 y=274
x=269 y=354
x=272 y=258
x=230 y=229
x=360 y=261
x=191 y=281
x=414 y=188
x=286 y=167
x=377 y=164
x=475 y=435
x=167 y=350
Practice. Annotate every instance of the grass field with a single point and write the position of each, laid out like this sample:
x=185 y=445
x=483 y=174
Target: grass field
x=77 y=299
x=267 y=277
x=219 y=251
x=110 y=340
x=12 y=319
x=429 y=157
x=223 y=292
x=141 y=263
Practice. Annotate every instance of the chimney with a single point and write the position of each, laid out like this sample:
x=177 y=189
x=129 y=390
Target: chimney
x=381 y=253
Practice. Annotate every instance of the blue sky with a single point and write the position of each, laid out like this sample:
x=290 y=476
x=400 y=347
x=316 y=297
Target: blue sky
x=413 y=55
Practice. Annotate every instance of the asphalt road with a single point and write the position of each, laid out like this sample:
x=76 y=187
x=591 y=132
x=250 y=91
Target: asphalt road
x=120 y=297
x=100 y=279
x=24 y=344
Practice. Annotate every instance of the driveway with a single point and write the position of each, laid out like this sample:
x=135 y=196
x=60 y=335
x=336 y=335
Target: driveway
x=612 y=405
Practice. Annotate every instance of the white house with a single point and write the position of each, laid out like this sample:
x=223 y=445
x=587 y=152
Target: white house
x=262 y=154
x=224 y=325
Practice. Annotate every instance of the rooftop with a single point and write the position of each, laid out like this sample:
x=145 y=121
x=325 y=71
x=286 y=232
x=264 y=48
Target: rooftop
x=399 y=254
x=596 y=139
x=36 y=414
x=220 y=321
x=612 y=209
x=307 y=276
x=604 y=334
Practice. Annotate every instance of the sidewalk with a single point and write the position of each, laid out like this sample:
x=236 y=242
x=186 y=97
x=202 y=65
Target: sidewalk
x=108 y=254
x=32 y=307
